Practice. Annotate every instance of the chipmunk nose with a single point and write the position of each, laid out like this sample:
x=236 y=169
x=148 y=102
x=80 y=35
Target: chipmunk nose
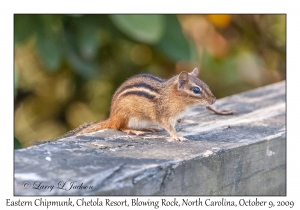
x=213 y=100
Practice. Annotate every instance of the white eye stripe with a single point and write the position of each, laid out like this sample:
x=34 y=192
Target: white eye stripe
x=195 y=85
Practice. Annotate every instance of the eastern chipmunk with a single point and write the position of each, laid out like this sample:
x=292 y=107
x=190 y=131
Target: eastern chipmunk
x=144 y=99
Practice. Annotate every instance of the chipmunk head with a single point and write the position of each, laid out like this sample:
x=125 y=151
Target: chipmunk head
x=193 y=89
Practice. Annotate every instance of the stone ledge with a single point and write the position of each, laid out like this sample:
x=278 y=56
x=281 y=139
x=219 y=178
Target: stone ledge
x=241 y=154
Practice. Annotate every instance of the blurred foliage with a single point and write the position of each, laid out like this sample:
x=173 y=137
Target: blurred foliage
x=17 y=144
x=67 y=67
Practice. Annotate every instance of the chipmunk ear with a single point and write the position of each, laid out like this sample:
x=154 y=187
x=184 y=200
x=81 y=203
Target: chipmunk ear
x=195 y=72
x=183 y=78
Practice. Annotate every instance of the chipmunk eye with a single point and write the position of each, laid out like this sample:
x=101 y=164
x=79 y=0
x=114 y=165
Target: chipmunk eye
x=196 y=90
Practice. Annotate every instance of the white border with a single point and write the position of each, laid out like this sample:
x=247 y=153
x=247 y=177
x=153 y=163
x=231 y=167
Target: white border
x=8 y=8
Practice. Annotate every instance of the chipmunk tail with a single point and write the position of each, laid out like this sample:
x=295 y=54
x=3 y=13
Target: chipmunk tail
x=89 y=128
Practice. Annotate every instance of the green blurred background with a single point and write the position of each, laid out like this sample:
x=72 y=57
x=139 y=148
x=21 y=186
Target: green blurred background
x=67 y=67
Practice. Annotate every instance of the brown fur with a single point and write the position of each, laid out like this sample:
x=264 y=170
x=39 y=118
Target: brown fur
x=148 y=98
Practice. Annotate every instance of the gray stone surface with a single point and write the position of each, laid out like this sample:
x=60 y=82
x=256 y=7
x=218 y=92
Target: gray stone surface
x=240 y=154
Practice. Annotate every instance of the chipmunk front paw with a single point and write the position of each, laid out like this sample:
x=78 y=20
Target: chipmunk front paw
x=178 y=138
